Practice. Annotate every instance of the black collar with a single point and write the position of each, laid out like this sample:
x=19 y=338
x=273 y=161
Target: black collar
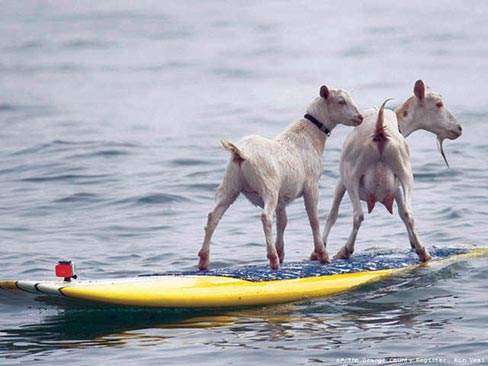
x=317 y=123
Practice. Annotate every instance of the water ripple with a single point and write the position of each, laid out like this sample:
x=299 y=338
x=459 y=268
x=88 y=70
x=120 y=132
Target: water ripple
x=110 y=117
x=68 y=178
x=81 y=44
x=190 y=162
x=151 y=199
x=79 y=198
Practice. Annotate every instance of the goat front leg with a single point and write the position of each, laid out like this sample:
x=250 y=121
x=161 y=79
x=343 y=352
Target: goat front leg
x=332 y=217
x=270 y=203
x=407 y=218
x=311 y=197
x=281 y=222
x=358 y=217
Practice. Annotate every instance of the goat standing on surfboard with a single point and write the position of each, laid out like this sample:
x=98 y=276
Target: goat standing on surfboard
x=375 y=162
x=271 y=173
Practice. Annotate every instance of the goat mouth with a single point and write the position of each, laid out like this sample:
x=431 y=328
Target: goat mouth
x=454 y=134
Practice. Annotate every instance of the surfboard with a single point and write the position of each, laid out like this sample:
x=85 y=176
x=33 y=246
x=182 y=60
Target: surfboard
x=241 y=286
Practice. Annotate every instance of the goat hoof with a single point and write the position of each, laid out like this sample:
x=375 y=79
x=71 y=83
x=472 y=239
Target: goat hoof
x=203 y=266
x=424 y=256
x=274 y=262
x=322 y=257
x=343 y=254
x=203 y=263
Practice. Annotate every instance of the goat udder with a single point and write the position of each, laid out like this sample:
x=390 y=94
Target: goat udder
x=371 y=199
x=388 y=202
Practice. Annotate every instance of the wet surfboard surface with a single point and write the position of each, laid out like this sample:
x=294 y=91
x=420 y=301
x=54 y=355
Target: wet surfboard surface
x=373 y=260
x=242 y=285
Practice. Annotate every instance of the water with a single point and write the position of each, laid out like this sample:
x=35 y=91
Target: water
x=110 y=116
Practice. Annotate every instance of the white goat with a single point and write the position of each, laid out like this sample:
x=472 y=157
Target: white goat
x=272 y=173
x=375 y=162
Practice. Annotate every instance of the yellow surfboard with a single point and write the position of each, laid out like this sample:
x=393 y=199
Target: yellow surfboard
x=241 y=286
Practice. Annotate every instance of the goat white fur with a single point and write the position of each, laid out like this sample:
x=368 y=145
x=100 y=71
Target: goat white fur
x=375 y=162
x=272 y=173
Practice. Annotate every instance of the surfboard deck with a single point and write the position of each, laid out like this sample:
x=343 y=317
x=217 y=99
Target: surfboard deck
x=241 y=286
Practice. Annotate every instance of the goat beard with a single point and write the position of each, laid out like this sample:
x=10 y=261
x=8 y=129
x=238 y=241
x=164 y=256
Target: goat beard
x=440 y=140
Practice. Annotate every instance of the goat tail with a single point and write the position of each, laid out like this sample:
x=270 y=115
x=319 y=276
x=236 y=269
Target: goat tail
x=380 y=135
x=380 y=128
x=237 y=155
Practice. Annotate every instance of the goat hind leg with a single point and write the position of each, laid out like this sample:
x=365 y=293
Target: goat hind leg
x=224 y=200
x=270 y=203
x=407 y=218
x=358 y=217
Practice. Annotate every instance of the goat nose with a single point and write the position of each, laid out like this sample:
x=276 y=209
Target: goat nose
x=360 y=118
x=460 y=129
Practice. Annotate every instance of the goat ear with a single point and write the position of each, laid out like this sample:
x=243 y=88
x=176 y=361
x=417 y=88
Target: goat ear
x=419 y=89
x=324 y=92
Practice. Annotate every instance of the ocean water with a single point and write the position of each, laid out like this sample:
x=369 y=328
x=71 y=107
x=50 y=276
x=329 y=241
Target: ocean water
x=110 y=120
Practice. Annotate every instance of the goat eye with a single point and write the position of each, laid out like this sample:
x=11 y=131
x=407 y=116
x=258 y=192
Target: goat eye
x=342 y=102
x=439 y=105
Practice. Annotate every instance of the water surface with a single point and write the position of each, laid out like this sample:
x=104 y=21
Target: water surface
x=110 y=120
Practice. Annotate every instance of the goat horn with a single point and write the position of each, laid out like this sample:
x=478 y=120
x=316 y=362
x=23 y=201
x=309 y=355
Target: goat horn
x=440 y=140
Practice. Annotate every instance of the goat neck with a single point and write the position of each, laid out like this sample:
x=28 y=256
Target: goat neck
x=304 y=129
x=407 y=122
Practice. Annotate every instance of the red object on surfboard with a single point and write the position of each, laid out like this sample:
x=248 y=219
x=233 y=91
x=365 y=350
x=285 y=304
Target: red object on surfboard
x=65 y=269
